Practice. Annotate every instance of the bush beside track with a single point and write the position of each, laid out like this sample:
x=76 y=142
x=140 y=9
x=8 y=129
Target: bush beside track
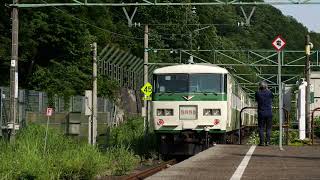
x=66 y=158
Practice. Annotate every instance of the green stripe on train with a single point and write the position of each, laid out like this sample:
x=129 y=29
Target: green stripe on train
x=183 y=96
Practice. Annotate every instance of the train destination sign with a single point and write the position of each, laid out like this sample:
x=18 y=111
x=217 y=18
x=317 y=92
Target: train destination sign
x=279 y=43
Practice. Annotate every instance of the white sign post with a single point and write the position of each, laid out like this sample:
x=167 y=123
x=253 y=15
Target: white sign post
x=279 y=43
x=302 y=110
x=49 y=113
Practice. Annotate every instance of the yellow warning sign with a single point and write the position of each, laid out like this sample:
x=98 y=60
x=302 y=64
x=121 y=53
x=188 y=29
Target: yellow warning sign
x=147 y=89
x=147 y=98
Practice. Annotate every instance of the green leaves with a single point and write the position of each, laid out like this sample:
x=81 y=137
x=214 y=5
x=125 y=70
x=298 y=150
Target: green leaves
x=54 y=47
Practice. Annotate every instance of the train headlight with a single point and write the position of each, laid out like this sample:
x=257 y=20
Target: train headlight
x=168 y=112
x=207 y=112
x=164 y=112
x=216 y=112
x=212 y=112
x=160 y=112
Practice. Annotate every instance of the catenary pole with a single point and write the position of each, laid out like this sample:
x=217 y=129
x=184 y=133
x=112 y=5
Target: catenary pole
x=280 y=100
x=145 y=76
x=14 y=73
x=307 y=76
x=94 y=96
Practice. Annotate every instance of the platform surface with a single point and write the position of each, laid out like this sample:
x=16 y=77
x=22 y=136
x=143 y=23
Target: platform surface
x=226 y=161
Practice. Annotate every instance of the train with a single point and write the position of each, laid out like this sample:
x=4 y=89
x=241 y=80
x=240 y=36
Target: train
x=195 y=106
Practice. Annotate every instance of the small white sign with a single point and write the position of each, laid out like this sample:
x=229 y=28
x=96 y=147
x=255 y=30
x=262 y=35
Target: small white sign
x=311 y=88
x=16 y=85
x=13 y=63
x=279 y=43
x=49 y=112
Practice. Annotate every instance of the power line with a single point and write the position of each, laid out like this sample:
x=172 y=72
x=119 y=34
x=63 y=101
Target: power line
x=102 y=29
x=217 y=2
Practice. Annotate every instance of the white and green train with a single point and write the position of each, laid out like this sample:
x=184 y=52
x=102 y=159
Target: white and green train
x=195 y=105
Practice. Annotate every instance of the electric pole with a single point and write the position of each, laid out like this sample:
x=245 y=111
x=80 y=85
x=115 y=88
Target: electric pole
x=14 y=73
x=94 y=95
x=307 y=75
x=280 y=100
x=145 y=76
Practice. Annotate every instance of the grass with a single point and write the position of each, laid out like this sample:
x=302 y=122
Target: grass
x=63 y=159
x=274 y=139
x=131 y=134
x=317 y=126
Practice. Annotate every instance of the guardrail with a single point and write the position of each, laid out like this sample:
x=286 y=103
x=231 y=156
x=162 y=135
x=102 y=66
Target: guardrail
x=286 y=125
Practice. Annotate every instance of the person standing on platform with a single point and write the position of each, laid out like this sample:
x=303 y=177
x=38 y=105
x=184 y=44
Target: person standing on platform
x=264 y=99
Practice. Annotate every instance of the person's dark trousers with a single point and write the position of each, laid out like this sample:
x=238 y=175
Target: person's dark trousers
x=264 y=121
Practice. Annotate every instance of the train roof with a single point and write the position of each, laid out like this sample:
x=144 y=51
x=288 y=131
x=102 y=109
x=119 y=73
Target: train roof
x=191 y=69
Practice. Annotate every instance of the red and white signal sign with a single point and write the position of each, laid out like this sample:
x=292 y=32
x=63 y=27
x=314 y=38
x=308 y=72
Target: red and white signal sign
x=49 y=111
x=279 y=43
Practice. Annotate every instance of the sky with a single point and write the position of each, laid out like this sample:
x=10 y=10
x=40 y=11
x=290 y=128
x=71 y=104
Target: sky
x=308 y=15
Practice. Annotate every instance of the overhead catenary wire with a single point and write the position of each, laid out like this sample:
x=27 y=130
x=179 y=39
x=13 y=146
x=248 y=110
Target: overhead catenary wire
x=92 y=25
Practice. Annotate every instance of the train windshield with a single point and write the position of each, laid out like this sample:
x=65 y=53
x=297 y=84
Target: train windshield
x=196 y=83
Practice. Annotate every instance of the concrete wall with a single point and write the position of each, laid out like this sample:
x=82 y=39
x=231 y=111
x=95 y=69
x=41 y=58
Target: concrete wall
x=73 y=124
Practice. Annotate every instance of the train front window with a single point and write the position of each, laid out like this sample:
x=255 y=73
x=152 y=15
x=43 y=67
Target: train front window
x=196 y=83
x=210 y=83
x=172 y=83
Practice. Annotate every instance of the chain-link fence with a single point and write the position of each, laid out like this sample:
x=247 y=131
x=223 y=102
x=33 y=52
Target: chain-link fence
x=68 y=116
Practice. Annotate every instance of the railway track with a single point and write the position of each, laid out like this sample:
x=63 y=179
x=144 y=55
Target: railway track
x=149 y=172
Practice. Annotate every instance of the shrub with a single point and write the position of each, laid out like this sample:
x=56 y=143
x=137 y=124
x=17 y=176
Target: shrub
x=274 y=139
x=131 y=134
x=63 y=158
x=317 y=126
x=122 y=160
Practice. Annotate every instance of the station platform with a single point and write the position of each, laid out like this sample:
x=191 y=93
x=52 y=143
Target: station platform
x=247 y=162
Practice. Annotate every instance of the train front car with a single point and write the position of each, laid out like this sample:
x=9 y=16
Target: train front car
x=189 y=107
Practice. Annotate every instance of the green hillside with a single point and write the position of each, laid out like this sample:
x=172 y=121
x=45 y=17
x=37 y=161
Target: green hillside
x=54 y=49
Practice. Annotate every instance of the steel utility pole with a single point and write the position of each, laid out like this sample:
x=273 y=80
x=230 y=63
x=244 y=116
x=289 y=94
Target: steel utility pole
x=14 y=73
x=307 y=75
x=94 y=95
x=145 y=77
x=280 y=100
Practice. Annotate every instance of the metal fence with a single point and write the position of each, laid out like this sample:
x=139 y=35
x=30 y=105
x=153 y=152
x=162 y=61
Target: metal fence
x=121 y=66
x=34 y=102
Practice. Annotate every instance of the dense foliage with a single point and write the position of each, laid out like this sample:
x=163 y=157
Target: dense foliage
x=131 y=134
x=63 y=158
x=54 y=49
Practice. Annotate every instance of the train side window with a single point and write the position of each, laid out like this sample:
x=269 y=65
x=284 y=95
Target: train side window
x=225 y=81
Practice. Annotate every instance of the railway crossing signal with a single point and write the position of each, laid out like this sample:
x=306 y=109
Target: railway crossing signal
x=279 y=43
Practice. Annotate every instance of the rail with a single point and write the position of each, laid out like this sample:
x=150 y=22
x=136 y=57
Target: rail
x=287 y=117
x=312 y=124
x=149 y=172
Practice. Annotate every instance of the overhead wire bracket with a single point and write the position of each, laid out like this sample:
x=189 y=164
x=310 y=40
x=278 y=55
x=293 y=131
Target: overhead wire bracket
x=127 y=16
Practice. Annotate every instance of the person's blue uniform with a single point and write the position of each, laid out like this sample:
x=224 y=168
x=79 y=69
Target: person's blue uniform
x=264 y=99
